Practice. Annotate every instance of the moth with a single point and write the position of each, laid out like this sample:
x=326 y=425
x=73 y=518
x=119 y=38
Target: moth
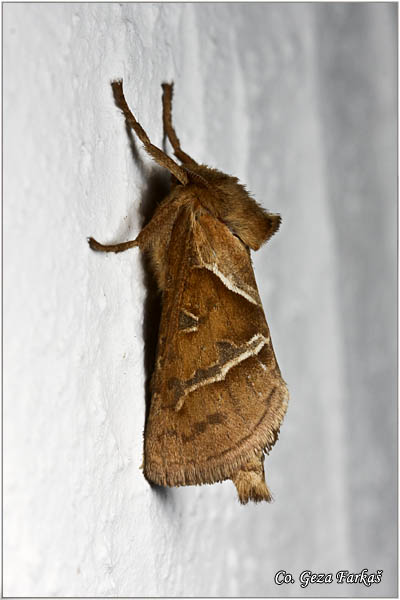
x=217 y=394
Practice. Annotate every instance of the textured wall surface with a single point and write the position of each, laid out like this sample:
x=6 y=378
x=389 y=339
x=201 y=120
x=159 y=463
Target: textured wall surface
x=299 y=101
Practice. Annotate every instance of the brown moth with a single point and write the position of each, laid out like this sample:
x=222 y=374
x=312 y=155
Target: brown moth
x=217 y=395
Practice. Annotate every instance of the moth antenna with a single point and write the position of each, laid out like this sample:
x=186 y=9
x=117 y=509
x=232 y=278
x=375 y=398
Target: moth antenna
x=168 y=92
x=159 y=156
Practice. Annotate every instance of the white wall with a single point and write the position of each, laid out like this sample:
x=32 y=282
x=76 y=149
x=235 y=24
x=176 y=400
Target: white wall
x=299 y=102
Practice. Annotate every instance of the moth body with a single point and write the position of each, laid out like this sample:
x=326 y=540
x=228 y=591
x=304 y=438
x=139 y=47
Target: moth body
x=218 y=397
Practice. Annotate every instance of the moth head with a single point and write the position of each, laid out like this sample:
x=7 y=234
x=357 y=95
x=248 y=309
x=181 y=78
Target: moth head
x=228 y=200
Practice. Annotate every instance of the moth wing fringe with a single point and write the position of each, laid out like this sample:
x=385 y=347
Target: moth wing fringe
x=229 y=463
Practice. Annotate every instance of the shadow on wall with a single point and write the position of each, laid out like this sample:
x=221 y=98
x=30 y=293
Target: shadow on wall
x=158 y=184
x=157 y=188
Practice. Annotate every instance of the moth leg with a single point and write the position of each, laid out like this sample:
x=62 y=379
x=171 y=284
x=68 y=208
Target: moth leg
x=250 y=481
x=168 y=90
x=164 y=214
x=159 y=156
x=95 y=245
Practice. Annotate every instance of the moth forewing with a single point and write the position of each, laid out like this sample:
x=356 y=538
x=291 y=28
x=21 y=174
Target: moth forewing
x=218 y=397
